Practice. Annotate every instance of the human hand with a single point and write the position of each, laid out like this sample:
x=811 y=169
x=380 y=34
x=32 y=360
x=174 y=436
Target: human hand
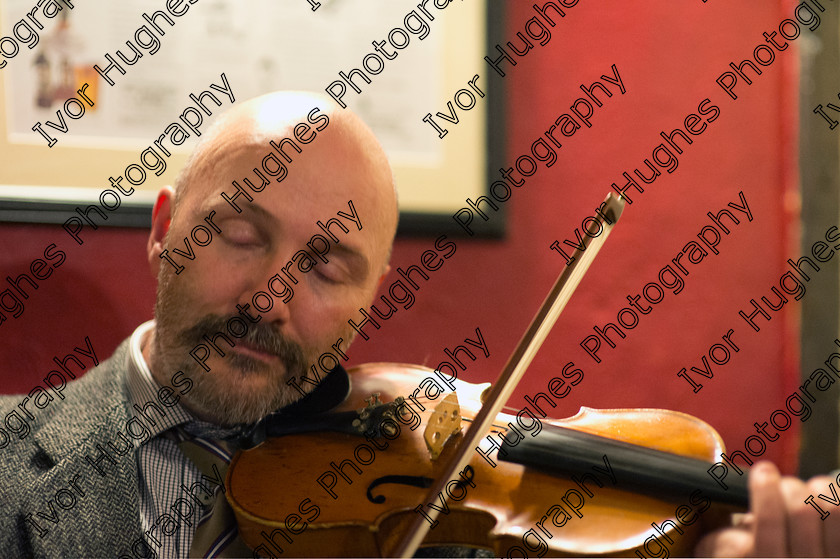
x=780 y=523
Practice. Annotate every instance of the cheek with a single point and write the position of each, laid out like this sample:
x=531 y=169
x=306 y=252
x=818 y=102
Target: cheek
x=217 y=283
x=321 y=318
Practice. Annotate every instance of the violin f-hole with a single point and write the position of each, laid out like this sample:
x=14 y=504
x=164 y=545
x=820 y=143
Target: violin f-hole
x=414 y=481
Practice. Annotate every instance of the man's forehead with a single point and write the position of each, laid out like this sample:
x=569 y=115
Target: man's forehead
x=328 y=170
x=316 y=178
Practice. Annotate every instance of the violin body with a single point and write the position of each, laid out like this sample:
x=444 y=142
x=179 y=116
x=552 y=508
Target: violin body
x=313 y=494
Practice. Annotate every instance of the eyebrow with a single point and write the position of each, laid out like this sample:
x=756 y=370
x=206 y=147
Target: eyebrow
x=252 y=208
x=357 y=259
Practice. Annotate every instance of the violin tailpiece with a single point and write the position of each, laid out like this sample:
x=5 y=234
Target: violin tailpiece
x=444 y=422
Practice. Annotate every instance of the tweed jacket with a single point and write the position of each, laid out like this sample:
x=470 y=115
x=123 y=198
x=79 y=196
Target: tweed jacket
x=53 y=502
x=42 y=513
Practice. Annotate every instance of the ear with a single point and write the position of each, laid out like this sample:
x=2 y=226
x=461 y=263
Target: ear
x=382 y=277
x=161 y=217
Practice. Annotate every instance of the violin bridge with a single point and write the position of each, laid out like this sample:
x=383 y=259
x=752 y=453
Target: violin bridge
x=444 y=422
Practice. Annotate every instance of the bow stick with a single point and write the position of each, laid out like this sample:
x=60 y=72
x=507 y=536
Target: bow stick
x=518 y=362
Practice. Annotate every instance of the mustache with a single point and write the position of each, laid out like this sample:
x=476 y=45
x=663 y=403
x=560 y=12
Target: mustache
x=258 y=336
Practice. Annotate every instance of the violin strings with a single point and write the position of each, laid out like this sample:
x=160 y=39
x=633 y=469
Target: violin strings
x=508 y=409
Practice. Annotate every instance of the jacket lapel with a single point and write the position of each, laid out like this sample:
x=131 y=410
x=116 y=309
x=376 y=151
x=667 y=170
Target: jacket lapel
x=88 y=501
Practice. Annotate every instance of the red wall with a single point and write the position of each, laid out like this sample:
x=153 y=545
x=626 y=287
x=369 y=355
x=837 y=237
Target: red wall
x=669 y=55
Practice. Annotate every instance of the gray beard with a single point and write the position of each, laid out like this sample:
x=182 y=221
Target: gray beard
x=213 y=396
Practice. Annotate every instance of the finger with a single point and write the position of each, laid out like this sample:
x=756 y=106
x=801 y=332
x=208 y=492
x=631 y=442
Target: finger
x=768 y=507
x=728 y=542
x=804 y=527
x=743 y=520
x=831 y=523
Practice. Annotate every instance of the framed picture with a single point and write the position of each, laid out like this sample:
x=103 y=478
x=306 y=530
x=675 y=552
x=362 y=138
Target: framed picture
x=72 y=119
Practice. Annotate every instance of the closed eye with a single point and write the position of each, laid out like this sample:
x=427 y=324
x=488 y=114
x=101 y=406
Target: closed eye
x=325 y=277
x=241 y=233
x=330 y=273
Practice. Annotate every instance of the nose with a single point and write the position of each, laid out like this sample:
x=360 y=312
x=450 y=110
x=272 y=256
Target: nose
x=267 y=299
x=266 y=305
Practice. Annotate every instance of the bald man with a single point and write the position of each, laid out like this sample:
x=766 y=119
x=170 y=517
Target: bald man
x=107 y=473
x=113 y=470
x=342 y=168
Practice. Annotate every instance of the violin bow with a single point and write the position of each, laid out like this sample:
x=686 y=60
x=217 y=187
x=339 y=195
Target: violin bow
x=516 y=366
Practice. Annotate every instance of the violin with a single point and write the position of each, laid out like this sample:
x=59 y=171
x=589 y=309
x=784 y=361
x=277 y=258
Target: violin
x=373 y=483
x=329 y=493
